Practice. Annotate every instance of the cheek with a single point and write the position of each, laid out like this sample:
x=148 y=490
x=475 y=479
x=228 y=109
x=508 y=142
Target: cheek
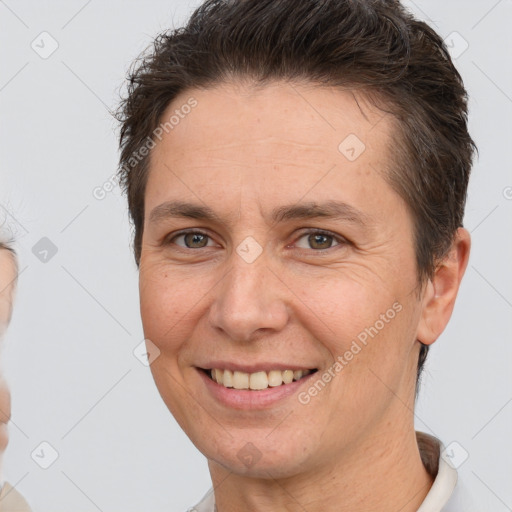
x=166 y=305
x=5 y=413
x=169 y=303
x=377 y=362
x=366 y=328
x=339 y=307
x=5 y=310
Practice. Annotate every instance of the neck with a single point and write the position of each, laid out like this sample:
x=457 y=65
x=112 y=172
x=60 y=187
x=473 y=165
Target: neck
x=385 y=474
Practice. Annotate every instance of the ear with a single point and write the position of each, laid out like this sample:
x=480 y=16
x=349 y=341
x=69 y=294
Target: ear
x=441 y=290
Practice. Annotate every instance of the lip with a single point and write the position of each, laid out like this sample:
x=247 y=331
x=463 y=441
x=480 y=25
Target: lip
x=244 y=399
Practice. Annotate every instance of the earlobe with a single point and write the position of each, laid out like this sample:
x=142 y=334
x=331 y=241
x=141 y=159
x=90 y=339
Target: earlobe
x=441 y=291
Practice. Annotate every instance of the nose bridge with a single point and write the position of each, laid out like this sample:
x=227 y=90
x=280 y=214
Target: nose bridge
x=244 y=279
x=248 y=299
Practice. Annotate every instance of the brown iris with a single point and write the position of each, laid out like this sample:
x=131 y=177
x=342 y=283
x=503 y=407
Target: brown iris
x=195 y=240
x=319 y=241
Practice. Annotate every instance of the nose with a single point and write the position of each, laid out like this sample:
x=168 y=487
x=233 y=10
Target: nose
x=250 y=301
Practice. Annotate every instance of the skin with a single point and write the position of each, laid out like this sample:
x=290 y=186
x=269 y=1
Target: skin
x=244 y=152
x=7 y=279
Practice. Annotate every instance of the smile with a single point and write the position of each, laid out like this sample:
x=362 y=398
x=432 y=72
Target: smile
x=256 y=381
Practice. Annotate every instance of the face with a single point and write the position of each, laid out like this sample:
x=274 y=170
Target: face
x=272 y=242
x=7 y=275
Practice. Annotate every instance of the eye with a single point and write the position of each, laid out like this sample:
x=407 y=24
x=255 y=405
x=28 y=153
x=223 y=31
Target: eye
x=318 y=240
x=192 y=240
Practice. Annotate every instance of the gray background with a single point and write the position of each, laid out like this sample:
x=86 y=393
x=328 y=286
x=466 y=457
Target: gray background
x=68 y=355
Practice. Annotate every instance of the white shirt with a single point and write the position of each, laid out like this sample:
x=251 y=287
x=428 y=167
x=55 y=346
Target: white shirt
x=11 y=500
x=445 y=495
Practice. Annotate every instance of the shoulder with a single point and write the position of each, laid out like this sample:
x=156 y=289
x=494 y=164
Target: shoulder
x=11 y=500
x=460 y=501
x=449 y=492
x=207 y=503
x=464 y=500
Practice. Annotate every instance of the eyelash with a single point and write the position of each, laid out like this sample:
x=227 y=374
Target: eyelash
x=339 y=239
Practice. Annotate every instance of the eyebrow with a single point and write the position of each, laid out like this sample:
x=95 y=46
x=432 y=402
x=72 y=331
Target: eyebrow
x=171 y=209
x=335 y=210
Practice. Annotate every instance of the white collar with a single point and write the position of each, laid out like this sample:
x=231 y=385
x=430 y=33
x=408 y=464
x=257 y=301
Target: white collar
x=445 y=478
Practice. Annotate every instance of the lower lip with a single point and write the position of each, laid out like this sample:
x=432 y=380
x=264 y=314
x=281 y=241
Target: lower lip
x=247 y=399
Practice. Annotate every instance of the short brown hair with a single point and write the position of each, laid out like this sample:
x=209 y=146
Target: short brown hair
x=375 y=46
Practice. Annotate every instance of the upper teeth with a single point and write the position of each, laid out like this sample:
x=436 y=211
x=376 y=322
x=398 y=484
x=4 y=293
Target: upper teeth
x=258 y=380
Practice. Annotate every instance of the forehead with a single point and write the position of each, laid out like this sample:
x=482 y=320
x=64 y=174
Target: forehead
x=268 y=142
x=305 y=117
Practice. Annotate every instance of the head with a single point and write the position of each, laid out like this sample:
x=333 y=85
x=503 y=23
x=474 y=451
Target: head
x=283 y=111
x=8 y=273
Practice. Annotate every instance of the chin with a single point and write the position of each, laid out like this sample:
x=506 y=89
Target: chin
x=257 y=454
x=260 y=465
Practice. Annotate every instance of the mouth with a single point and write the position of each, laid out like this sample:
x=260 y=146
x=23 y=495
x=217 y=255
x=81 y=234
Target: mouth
x=257 y=381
